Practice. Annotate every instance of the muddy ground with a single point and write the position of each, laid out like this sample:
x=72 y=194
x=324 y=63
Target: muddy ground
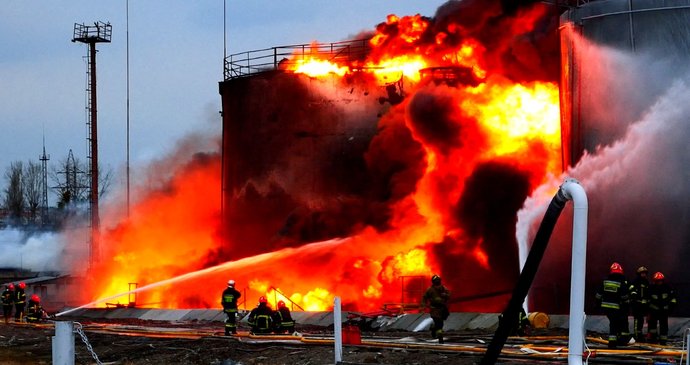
x=27 y=344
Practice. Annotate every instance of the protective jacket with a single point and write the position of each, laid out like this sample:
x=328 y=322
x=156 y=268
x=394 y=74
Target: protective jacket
x=229 y=300
x=436 y=297
x=283 y=320
x=19 y=296
x=613 y=293
x=639 y=294
x=261 y=319
x=662 y=298
x=7 y=297
x=34 y=311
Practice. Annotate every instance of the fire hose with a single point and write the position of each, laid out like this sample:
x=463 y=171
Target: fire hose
x=534 y=348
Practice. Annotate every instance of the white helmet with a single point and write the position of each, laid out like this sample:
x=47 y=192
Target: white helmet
x=231 y=282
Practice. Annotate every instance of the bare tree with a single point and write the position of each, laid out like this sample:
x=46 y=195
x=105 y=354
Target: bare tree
x=14 y=194
x=33 y=189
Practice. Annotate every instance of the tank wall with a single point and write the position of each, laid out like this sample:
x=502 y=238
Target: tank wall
x=293 y=155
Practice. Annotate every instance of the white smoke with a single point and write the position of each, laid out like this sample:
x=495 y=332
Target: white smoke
x=35 y=251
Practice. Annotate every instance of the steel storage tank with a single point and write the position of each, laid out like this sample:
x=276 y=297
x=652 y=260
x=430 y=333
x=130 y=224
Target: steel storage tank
x=659 y=29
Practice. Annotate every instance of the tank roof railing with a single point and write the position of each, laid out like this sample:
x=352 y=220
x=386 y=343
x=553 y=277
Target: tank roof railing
x=249 y=63
x=567 y=3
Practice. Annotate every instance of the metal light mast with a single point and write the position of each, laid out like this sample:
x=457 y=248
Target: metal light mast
x=99 y=32
x=44 y=184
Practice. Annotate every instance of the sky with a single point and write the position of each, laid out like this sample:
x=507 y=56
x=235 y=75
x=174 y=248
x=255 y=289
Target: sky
x=176 y=53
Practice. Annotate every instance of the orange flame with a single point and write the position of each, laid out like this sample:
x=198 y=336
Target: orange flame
x=175 y=230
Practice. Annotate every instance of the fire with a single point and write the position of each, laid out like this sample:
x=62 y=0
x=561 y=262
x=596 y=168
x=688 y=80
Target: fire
x=395 y=68
x=316 y=67
x=517 y=114
x=438 y=152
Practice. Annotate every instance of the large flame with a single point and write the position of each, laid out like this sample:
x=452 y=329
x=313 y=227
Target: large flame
x=484 y=129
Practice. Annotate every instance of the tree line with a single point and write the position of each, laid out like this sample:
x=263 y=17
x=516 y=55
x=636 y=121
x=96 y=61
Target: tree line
x=69 y=180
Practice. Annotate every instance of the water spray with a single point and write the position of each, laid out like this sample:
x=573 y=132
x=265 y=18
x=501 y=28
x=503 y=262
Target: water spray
x=211 y=270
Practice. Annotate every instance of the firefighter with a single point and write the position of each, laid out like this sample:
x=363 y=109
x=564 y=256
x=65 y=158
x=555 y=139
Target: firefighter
x=261 y=318
x=8 y=302
x=613 y=298
x=283 y=319
x=662 y=300
x=229 y=302
x=639 y=300
x=34 y=310
x=436 y=298
x=19 y=301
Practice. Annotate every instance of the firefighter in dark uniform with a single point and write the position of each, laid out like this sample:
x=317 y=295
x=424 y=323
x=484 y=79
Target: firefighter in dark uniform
x=261 y=318
x=436 y=298
x=229 y=302
x=8 y=301
x=283 y=319
x=662 y=300
x=613 y=298
x=34 y=310
x=19 y=301
x=639 y=300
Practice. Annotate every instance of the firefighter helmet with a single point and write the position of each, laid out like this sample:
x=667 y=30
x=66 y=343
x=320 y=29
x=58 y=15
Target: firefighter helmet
x=10 y=287
x=616 y=268
x=22 y=285
x=658 y=276
x=35 y=298
x=262 y=299
x=642 y=269
x=281 y=304
x=436 y=279
x=231 y=283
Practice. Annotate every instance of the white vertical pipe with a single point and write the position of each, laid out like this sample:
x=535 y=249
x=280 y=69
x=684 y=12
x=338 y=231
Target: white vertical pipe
x=63 y=343
x=337 y=330
x=572 y=190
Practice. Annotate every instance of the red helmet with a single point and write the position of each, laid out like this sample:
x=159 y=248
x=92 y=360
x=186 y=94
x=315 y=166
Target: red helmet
x=262 y=299
x=659 y=276
x=35 y=298
x=22 y=285
x=616 y=268
x=281 y=304
x=10 y=287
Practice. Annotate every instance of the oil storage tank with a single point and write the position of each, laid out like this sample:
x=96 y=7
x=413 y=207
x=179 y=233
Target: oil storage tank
x=294 y=168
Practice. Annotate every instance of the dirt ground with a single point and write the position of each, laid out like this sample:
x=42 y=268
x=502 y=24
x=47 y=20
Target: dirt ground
x=26 y=344
x=139 y=342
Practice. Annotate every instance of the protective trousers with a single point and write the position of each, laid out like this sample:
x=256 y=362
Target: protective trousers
x=660 y=317
x=7 y=312
x=639 y=316
x=619 y=332
x=231 y=323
